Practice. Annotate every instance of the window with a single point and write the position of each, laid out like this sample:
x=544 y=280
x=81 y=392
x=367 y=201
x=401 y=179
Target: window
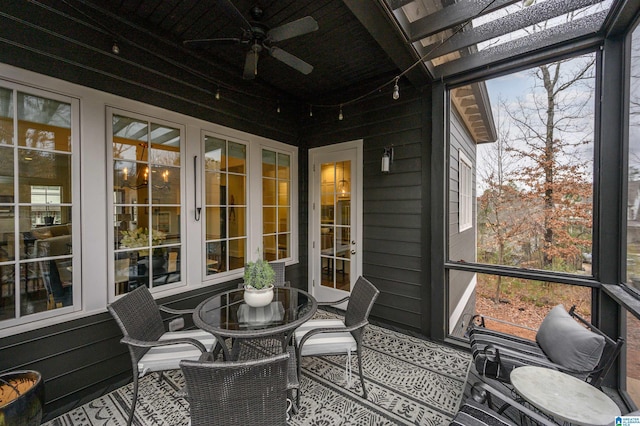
x=225 y=215
x=466 y=201
x=276 y=205
x=633 y=167
x=146 y=203
x=526 y=140
x=38 y=137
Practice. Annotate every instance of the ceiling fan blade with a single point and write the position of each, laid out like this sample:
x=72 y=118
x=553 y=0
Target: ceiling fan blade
x=250 y=65
x=293 y=29
x=233 y=13
x=206 y=41
x=293 y=61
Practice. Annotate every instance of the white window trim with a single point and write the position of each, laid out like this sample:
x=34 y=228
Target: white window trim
x=465 y=192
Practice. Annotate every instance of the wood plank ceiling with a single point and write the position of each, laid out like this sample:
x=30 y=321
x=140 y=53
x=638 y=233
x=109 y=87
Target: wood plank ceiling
x=342 y=51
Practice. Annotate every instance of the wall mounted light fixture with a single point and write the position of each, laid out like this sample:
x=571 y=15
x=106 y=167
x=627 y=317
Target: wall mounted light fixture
x=387 y=159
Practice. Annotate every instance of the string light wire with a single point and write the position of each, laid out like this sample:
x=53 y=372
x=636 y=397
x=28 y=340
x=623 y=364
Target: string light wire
x=229 y=88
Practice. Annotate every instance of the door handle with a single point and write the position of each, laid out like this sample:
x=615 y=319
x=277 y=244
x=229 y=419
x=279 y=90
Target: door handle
x=353 y=252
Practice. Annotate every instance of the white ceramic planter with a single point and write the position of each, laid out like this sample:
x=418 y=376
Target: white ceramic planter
x=258 y=298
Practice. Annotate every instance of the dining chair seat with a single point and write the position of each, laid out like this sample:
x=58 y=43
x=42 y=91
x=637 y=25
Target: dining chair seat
x=326 y=343
x=160 y=358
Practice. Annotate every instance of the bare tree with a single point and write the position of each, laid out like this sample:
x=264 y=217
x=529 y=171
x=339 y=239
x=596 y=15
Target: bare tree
x=503 y=229
x=552 y=127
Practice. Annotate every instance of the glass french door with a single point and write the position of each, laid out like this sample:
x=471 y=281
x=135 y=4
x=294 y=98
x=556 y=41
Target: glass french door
x=336 y=261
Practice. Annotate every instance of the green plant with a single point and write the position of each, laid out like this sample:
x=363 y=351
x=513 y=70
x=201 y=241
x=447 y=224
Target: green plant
x=258 y=274
x=139 y=237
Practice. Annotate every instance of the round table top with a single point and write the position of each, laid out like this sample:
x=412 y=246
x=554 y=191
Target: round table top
x=227 y=315
x=564 y=396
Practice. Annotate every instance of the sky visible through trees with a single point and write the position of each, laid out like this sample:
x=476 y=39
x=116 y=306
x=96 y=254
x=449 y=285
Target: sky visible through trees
x=534 y=184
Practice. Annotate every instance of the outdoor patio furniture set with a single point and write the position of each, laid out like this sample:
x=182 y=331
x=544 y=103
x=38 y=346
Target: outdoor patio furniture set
x=242 y=365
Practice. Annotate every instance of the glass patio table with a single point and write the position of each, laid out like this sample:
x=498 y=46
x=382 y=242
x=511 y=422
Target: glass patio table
x=226 y=315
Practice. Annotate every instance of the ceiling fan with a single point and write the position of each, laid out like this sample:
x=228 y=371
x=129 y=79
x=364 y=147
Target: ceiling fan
x=259 y=37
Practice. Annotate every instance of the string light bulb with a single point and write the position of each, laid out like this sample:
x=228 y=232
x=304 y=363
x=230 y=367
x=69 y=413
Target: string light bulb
x=340 y=116
x=396 y=90
x=278 y=109
x=310 y=110
x=218 y=94
x=115 y=48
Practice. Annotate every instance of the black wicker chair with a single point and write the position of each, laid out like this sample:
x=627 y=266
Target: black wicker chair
x=152 y=349
x=242 y=393
x=565 y=342
x=335 y=337
x=487 y=406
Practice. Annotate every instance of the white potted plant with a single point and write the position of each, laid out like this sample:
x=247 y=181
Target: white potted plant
x=258 y=283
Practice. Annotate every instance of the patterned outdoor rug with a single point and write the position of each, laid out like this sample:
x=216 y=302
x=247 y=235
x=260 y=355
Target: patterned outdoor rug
x=409 y=381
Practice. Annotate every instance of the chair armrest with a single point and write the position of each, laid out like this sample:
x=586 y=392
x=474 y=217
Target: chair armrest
x=176 y=311
x=337 y=302
x=537 y=417
x=501 y=351
x=150 y=344
x=320 y=330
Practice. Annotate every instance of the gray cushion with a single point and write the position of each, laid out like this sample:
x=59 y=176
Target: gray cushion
x=568 y=343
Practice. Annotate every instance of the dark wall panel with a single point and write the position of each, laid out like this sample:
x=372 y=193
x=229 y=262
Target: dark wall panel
x=393 y=203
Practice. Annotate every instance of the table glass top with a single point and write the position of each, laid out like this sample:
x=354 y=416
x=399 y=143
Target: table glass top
x=227 y=313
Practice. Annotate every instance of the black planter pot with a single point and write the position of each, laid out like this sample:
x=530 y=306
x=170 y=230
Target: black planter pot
x=21 y=398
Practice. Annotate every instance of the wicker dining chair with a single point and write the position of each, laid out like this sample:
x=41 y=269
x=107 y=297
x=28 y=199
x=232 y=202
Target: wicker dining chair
x=333 y=336
x=242 y=393
x=152 y=349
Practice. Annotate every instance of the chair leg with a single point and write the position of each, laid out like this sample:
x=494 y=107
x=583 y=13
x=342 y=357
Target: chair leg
x=299 y=357
x=135 y=397
x=364 y=389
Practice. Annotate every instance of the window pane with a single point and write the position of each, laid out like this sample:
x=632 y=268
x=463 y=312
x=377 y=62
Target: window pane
x=236 y=185
x=165 y=145
x=166 y=225
x=522 y=304
x=269 y=220
x=533 y=177
x=283 y=219
x=7 y=292
x=216 y=188
x=216 y=223
x=6 y=175
x=633 y=201
x=165 y=185
x=44 y=123
x=632 y=346
x=43 y=169
x=216 y=257
x=283 y=193
x=6 y=117
x=237 y=253
x=269 y=192
x=237 y=222
x=237 y=157
x=284 y=166
x=130 y=138
x=268 y=163
x=269 y=247
x=215 y=154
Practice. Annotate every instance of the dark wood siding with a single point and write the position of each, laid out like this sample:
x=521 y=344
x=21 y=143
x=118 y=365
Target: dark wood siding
x=393 y=204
